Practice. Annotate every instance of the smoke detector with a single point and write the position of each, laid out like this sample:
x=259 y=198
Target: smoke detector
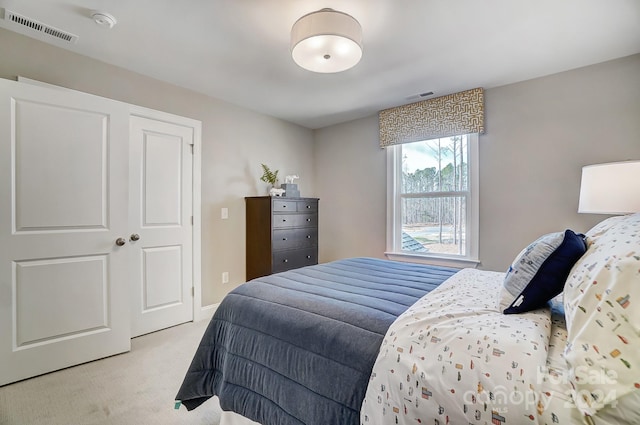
x=104 y=19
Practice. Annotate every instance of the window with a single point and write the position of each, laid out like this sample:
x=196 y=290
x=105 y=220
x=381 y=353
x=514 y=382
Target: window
x=433 y=200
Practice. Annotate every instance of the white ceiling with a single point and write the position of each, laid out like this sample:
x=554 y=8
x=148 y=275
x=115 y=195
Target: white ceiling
x=238 y=50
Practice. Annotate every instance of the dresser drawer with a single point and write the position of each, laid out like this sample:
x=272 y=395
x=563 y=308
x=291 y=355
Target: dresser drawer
x=294 y=238
x=294 y=220
x=310 y=206
x=284 y=206
x=287 y=260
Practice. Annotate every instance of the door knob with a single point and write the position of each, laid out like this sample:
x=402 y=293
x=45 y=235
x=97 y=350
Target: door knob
x=135 y=237
x=121 y=241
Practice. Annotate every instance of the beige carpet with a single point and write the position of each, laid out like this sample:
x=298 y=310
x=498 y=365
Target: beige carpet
x=135 y=388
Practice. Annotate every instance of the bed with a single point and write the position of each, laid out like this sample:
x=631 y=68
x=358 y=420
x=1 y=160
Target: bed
x=297 y=347
x=374 y=342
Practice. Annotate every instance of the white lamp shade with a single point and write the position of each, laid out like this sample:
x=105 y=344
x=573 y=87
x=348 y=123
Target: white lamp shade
x=612 y=188
x=326 y=41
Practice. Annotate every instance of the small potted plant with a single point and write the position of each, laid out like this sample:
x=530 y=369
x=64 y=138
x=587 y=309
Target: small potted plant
x=270 y=177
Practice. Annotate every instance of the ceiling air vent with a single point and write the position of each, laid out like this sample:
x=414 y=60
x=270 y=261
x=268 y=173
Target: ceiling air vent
x=37 y=26
x=420 y=96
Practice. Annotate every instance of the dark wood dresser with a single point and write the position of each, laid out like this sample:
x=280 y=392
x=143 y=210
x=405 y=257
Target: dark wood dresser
x=282 y=234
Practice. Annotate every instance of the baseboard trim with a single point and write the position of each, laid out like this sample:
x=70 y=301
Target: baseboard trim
x=206 y=312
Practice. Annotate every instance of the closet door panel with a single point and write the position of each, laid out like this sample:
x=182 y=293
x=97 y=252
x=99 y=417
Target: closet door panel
x=161 y=210
x=49 y=157
x=63 y=189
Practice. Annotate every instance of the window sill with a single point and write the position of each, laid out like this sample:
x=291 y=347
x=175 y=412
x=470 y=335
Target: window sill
x=434 y=260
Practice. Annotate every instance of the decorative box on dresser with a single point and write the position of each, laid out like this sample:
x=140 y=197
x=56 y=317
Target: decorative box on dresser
x=282 y=234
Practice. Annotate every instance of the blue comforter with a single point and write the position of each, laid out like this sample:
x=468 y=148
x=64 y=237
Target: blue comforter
x=297 y=348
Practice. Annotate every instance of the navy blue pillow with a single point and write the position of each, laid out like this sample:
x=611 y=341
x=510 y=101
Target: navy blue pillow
x=539 y=272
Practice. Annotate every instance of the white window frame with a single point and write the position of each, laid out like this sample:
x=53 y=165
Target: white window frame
x=394 y=218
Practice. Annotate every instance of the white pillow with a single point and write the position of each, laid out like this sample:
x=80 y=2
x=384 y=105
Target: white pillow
x=599 y=229
x=602 y=300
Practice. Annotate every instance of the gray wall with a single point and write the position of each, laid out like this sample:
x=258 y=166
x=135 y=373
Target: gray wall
x=539 y=134
x=234 y=143
x=351 y=183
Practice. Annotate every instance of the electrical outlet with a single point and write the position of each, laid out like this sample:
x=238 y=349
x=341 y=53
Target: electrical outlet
x=224 y=213
x=225 y=277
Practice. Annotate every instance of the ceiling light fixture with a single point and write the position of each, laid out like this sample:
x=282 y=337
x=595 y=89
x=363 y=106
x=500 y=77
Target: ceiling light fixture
x=326 y=41
x=103 y=19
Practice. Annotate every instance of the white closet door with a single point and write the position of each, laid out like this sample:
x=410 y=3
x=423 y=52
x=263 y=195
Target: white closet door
x=63 y=204
x=161 y=206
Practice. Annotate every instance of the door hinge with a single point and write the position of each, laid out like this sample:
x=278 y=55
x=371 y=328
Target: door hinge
x=193 y=291
x=192 y=220
x=191 y=148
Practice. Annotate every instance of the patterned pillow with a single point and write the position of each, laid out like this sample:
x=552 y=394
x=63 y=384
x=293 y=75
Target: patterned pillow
x=539 y=272
x=601 y=300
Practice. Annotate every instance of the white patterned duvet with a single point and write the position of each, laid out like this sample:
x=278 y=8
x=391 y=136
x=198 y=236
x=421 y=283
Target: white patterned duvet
x=454 y=358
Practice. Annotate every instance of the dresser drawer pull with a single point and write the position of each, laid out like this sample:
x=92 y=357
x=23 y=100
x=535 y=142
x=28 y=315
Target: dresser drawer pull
x=284 y=219
x=308 y=219
x=284 y=239
x=285 y=261
x=308 y=236
x=308 y=257
x=308 y=206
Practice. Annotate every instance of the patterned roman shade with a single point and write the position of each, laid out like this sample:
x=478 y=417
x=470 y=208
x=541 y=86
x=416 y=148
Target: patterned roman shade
x=445 y=116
